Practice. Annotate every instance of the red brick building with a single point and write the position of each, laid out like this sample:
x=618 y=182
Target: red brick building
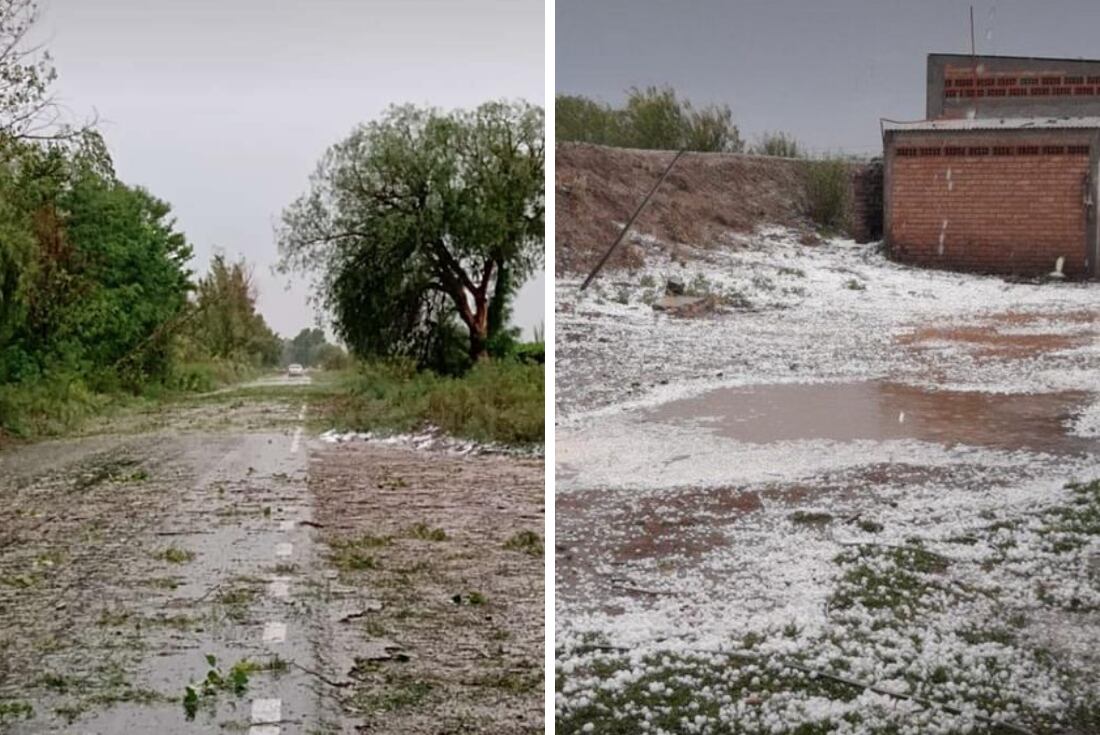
x=985 y=186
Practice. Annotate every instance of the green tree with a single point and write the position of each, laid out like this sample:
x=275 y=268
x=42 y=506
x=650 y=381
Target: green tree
x=302 y=349
x=583 y=120
x=226 y=324
x=411 y=220
x=103 y=271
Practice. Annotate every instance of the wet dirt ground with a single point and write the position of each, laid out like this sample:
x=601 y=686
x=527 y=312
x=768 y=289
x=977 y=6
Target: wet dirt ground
x=170 y=572
x=764 y=478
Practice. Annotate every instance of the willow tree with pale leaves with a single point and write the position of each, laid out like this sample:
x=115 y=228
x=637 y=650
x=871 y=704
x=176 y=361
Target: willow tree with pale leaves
x=419 y=225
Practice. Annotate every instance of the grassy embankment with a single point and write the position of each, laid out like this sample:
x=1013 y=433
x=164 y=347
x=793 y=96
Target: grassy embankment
x=500 y=401
x=62 y=404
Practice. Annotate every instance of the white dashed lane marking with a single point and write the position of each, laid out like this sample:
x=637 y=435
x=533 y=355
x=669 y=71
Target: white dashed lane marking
x=274 y=632
x=279 y=587
x=266 y=714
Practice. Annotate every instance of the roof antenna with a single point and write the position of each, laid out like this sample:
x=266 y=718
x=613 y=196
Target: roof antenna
x=974 y=65
x=973 y=53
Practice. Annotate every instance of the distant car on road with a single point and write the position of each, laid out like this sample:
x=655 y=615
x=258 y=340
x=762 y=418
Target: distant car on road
x=295 y=370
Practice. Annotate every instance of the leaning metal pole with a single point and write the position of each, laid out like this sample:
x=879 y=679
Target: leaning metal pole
x=630 y=221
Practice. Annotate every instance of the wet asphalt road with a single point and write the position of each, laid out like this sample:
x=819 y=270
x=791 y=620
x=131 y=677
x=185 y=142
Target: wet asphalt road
x=129 y=563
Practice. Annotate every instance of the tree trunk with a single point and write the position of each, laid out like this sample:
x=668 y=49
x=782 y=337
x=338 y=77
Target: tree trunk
x=479 y=329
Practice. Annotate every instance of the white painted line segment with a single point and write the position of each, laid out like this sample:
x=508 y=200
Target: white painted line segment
x=264 y=730
x=279 y=587
x=302 y=413
x=274 y=633
x=284 y=549
x=296 y=440
x=286 y=525
x=267 y=711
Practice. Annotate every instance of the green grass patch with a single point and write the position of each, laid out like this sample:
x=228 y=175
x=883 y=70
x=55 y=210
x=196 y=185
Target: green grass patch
x=175 y=555
x=810 y=518
x=886 y=578
x=527 y=542
x=424 y=532
x=15 y=710
x=676 y=688
x=395 y=695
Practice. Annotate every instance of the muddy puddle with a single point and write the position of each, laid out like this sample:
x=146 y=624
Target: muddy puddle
x=985 y=342
x=879 y=410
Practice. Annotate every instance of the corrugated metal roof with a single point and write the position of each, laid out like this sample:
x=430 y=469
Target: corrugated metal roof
x=994 y=123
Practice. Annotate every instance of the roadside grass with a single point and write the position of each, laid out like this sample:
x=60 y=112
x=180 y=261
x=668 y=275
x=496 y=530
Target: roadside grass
x=957 y=634
x=496 y=401
x=64 y=403
x=500 y=401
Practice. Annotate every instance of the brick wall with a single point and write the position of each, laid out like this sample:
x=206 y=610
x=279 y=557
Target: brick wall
x=977 y=203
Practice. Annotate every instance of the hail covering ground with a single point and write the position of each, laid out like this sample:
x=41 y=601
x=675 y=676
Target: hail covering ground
x=917 y=535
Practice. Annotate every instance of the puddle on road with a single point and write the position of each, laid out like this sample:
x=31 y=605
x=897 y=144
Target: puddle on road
x=875 y=410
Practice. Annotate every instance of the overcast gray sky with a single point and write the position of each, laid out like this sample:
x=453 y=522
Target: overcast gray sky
x=825 y=71
x=223 y=107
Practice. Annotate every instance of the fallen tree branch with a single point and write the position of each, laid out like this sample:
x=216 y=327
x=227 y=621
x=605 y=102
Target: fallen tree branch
x=320 y=676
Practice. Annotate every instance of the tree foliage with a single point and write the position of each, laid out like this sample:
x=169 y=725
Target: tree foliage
x=412 y=220
x=92 y=267
x=653 y=118
x=778 y=144
x=94 y=276
x=226 y=324
x=309 y=347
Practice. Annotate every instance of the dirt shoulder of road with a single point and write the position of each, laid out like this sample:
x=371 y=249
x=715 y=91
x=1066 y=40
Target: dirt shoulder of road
x=448 y=551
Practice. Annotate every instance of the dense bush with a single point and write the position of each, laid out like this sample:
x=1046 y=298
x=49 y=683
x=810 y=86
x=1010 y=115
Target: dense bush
x=827 y=191
x=778 y=144
x=653 y=118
